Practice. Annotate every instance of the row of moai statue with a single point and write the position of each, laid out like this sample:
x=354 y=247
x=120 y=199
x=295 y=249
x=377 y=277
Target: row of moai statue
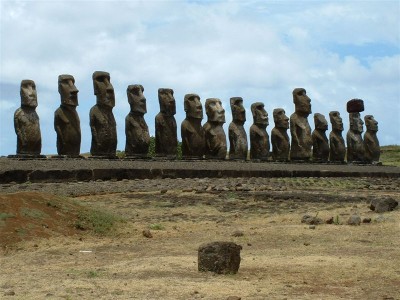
x=198 y=141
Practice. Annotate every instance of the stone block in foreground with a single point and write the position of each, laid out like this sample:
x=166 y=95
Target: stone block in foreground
x=219 y=257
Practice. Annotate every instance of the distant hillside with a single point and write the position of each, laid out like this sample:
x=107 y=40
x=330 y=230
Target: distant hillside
x=390 y=155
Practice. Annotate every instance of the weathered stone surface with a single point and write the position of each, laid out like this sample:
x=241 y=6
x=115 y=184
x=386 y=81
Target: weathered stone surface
x=383 y=205
x=193 y=135
x=237 y=135
x=354 y=220
x=165 y=125
x=136 y=129
x=216 y=147
x=320 y=141
x=311 y=220
x=355 y=144
x=337 y=147
x=66 y=119
x=26 y=121
x=299 y=127
x=259 y=138
x=279 y=137
x=102 y=121
x=219 y=257
x=371 y=142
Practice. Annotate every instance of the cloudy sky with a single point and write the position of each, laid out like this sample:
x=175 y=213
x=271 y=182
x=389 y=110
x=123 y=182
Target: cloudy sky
x=259 y=50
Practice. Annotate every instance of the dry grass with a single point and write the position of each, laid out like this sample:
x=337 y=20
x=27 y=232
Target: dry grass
x=281 y=258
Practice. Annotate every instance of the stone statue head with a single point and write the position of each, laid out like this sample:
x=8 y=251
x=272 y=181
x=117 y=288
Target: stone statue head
x=356 y=124
x=193 y=107
x=167 y=101
x=301 y=101
x=103 y=89
x=214 y=110
x=68 y=90
x=28 y=93
x=280 y=118
x=320 y=122
x=238 y=111
x=260 y=116
x=136 y=99
x=371 y=123
x=336 y=120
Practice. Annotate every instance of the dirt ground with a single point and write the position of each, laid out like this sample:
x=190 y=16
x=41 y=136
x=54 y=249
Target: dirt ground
x=44 y=256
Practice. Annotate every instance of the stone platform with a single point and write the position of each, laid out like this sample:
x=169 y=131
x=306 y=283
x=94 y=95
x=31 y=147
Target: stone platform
x=64 y=170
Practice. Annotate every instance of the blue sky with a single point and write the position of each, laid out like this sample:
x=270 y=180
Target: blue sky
x=259 y=50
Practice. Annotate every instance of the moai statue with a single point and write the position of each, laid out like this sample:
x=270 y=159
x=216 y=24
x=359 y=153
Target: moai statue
x=215 y=135
x=371 y=143
x=66 y=120
x=136 y=130
x=355 y=144
x=237 y=135
x=279 y=137
x=320 y=141
x=337 y=147
x=299 y=128
x=102 y=122
x=166 y=136
x=259 y=138
x=26 y=122
x=193 y=136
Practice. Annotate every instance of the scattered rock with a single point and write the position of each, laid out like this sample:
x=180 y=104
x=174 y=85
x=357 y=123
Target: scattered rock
x=311 y=227
x=311 y=220
x=329 y=221
x=306 y=244
x=354 y=220
x=366 y=220
x=163 y=191
x=383 y=205
x=219 y=257
x=147 y=233
x=9 y=293
x=233 y=298
x=237 y=233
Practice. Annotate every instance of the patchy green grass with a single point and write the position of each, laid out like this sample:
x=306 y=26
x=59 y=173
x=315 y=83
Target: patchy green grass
x=32 y=213
x=390 y=155
x=4 y=215
x=156 y=226
x=100 y=222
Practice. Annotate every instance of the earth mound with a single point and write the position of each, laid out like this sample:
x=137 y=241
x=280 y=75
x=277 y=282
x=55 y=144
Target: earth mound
x=30 y=215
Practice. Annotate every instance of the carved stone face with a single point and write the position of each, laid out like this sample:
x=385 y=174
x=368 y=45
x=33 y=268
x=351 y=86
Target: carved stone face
x=371 y=123
x=301 y=101
x=103 y=89
x=136 y=99
x=28 y=93
x=193 y=107
x=214 y=110
x=167 y=101
x=260 y=116
x=280 y=118
x=356 y=124
x=238 y=111
x=320 y=122
x=336 y=120
x=68 y=90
